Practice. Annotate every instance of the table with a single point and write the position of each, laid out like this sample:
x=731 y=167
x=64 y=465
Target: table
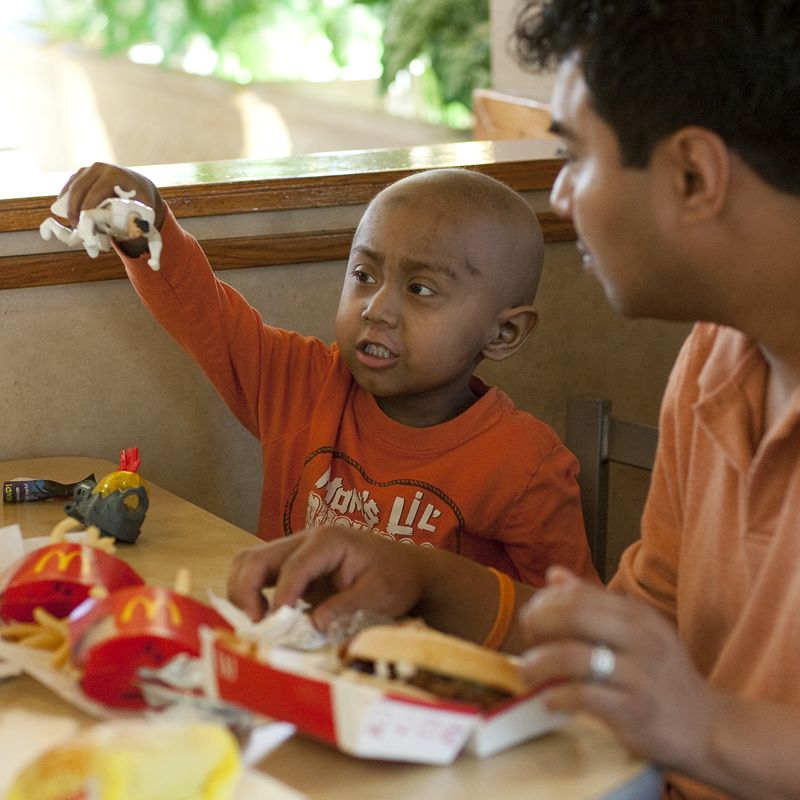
x=583 y=760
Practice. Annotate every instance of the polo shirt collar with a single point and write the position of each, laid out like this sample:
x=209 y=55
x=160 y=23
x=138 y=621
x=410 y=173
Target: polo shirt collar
x=732 y=397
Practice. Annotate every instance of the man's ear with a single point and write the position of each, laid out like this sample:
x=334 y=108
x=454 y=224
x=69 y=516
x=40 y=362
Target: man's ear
x=514 y=326
x=699 y=163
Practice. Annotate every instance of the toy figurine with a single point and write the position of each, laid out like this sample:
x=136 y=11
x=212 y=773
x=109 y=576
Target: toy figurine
x=119 y=217
x=117 y=503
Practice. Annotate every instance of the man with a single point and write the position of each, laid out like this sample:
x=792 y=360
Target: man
x=681 y=126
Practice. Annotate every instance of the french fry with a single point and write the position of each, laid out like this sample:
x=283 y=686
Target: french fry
x=49 y=622
x=106 y=544
x=43 y=640
x=94 y=537
x=60 y=659
x=183 y=581
x=16 y=631
x=45 y=633
x=58 y=534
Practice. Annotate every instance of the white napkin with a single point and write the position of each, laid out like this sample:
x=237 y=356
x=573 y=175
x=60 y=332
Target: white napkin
x=11 y=546
x=285 y=627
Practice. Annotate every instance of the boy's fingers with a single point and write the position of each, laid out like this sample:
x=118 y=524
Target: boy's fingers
x=90 y=186
x=358 y=597
x=290 y=564
x=250 y=571
x=315 y=557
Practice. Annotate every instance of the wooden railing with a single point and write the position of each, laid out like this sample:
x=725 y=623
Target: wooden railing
x=214 y=199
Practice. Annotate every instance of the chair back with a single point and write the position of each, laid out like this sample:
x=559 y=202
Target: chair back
x=598 y=439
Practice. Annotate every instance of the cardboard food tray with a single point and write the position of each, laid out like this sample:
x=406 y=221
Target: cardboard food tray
x=360 y=718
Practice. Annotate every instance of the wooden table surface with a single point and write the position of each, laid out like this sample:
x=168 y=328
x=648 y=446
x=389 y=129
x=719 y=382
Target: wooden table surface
x=581 y=761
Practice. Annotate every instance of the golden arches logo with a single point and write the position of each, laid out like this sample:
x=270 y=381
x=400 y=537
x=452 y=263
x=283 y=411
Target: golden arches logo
x=151 y=607
x=63 y=560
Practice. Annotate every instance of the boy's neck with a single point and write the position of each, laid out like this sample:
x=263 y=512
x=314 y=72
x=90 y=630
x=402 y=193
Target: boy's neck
x=425 y=411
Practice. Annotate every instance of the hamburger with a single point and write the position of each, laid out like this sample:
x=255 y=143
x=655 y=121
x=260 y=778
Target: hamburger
x=415 y=660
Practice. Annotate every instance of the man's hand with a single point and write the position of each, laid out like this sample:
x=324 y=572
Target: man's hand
x=652 y=696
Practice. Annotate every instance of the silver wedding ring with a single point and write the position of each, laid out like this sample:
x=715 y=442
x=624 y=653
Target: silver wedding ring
x=601 y=663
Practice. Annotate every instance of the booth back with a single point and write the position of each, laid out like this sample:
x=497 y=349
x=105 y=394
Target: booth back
x=87 y=371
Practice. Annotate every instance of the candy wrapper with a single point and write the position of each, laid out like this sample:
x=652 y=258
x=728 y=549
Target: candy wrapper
x=22 y=490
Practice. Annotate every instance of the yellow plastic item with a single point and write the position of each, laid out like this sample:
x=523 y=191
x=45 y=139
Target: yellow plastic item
x=119 y=481
x=136 y=761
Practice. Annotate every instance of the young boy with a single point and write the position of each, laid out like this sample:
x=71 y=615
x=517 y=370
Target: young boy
x=681 y=124
x=387 y=430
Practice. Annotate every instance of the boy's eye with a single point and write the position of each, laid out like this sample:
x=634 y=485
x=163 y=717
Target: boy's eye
x=422 y=291
x=362 y=277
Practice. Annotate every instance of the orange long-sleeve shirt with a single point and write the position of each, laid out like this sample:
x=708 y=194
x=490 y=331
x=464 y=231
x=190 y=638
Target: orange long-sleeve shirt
x=494 y=484
x=720 y=547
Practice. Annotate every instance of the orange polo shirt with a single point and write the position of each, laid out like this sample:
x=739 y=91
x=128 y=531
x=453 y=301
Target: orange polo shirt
x=720 y=547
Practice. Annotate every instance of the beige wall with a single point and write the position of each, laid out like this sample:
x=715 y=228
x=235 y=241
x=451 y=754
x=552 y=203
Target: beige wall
x=507 y=75
x=87 y=371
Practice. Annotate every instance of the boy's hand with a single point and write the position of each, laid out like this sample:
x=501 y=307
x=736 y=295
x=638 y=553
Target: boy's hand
x=362 y=571
x=89 y=186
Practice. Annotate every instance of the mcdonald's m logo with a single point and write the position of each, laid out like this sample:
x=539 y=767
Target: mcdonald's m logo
x=62 y=560
x=152 y=607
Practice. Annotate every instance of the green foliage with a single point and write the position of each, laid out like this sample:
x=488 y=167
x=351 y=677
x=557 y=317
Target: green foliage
x=278 y=39
x=452 y=35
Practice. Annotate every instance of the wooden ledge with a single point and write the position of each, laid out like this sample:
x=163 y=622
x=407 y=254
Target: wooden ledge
x=324 y=180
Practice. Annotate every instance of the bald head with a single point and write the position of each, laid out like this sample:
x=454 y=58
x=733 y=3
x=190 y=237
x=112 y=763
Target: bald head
x=508 y=239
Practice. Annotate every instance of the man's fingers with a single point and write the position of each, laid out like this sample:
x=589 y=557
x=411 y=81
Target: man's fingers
x=576 y=609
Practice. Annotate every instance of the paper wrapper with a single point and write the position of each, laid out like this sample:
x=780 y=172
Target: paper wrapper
x=24 y=735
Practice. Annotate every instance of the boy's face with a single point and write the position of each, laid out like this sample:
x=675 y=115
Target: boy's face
x=617 y=211
x=418 y=304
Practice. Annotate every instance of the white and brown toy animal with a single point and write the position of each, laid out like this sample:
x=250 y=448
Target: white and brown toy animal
x=119 y=217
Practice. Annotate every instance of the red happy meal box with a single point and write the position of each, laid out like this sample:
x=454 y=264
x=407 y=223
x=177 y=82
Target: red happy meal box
x=365 y=717
x=134 y=627
x=58 y=577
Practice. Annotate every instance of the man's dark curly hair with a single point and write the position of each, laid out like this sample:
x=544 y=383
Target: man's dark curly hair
x=654 y=66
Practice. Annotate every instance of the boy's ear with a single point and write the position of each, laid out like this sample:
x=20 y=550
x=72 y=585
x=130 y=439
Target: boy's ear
x=515 y=325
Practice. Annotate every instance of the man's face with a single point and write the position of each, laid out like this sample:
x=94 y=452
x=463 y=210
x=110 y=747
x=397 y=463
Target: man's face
x=614 y=208
x=416 y=305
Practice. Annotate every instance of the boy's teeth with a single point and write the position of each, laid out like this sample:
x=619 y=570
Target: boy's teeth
x=377 y=350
